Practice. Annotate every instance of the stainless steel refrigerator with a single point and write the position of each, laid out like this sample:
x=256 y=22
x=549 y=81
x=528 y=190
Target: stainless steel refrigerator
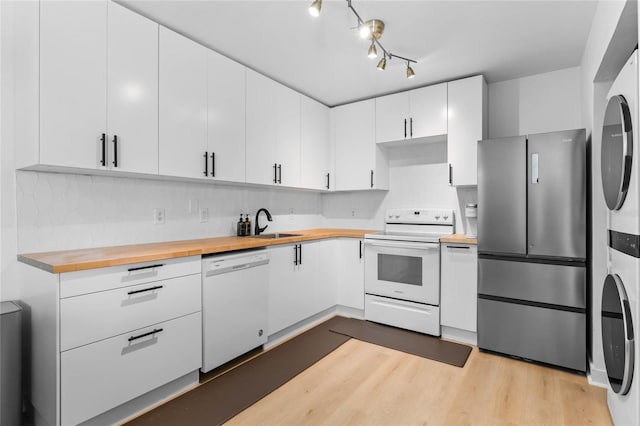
x=532 y=247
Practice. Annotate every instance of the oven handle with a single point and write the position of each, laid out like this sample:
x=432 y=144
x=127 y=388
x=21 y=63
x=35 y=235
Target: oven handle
x=402 y=244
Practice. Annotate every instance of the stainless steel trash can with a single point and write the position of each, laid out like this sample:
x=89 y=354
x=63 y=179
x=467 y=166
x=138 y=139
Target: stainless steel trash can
x=10 y=364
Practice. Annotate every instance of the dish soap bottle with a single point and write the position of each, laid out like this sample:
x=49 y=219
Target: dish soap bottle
x=240 y=227
x=247 y=226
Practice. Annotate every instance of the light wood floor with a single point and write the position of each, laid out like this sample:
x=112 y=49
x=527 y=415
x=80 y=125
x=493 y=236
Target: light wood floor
x=364 y=384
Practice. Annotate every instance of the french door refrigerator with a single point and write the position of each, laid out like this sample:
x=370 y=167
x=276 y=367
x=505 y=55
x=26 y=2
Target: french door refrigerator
x=532 y=247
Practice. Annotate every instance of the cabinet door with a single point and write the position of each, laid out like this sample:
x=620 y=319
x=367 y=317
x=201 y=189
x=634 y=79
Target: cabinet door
x=286 y=295
x=459 y=286
x=288 y=135
x=355 y=146
x=183 y=106
x=132 y=91
x=226 y=118
x=314 y=145
x=73 y=82
x=317 y=276
x=261 y=129
x=392 y=117
x=467 y=125
x=428 y=111
x=350 y=263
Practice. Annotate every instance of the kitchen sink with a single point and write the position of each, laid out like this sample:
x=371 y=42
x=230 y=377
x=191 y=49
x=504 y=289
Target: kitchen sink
x=275 y=236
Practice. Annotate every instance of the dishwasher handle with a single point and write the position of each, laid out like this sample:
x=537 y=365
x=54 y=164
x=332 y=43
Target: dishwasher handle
x=218 y=269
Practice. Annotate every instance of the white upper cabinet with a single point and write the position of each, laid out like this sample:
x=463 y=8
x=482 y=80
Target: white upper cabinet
x=73 y=83
x=314 y=145
x=132 y=91
x=226 y=118
x=413 y=114
x=360 y=163
x=183 y=106
x=273 y=132
x=467 y=125
x=98 y=87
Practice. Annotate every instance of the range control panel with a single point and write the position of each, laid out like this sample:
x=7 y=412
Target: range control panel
x=420 y=216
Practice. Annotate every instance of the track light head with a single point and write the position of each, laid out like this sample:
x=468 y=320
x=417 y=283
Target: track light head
x=410 y=72
x=382 y=64
x=373 y=52
x=314 y=9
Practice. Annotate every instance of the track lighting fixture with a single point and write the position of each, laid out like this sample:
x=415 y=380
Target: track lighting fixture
x=410 y=73
x=382 y=64
x=315 y=7
x=373 y=52
x=371 y=30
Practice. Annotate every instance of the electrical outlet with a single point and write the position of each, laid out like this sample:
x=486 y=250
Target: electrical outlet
x=353 y=212
x=204 y=214
x=158 y=216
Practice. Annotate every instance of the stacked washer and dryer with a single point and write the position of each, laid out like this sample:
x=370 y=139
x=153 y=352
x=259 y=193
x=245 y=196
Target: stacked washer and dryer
x=620 y=314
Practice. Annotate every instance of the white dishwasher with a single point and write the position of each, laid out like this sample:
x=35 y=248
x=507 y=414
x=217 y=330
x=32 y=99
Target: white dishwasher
x=235 y=294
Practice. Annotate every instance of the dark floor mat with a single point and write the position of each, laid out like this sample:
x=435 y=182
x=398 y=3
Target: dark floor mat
x=225 y=396
x=403 y=340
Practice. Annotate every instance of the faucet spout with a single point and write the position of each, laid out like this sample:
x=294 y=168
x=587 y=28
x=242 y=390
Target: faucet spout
x=258 y=229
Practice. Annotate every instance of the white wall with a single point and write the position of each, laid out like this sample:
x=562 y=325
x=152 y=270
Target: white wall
x=536 y=104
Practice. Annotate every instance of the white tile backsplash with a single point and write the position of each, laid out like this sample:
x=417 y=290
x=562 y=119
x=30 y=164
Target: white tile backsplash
x=64 y=211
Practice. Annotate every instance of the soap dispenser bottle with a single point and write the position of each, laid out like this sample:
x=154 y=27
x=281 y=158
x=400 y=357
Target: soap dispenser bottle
x=247 y=226
x=240 y=227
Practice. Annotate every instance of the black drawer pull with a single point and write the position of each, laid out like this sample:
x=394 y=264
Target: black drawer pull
x=154 y=331
x=459 y=247
x=206 y=163
x=115 y=150
x=145 y=289
x=279 y=173
x=295 y=254
x=275 y=173
x=139 y=268
x=360 y=249
x=213 y=164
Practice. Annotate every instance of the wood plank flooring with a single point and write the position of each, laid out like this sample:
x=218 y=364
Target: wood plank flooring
x=364 y=384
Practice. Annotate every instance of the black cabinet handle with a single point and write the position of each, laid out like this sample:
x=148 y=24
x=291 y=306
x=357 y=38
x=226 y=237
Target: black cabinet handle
x=299 y=254
x=115 y=150
x=328 y=181
x=411 y=126
x=103 y=139
x=405 y=127
x=450 y=174
x=275 y=173
x=360 y=249
x=372 y=178
x=279 y=173
x=295 y=254
x=459 y=247
x=206 y=163
x=139 y=268
x=213 y=164
x=145 y=290
x=140 y=336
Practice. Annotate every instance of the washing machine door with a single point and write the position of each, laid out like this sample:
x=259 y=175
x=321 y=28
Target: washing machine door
x=617 y=151
x=617 y=334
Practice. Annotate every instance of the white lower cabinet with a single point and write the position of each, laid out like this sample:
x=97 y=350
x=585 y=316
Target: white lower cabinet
x=299 y=284
x=459 y=286
x=115 y=334
x=100 y=376
x=350 y=272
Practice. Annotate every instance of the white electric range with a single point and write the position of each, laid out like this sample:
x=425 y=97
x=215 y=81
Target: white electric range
x=402 y=269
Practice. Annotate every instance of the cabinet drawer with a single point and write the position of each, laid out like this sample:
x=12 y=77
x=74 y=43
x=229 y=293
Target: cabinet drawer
x=98 y=377
x=90 y=281
x=96 y=316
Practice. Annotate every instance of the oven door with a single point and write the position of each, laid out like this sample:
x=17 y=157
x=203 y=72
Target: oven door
x=403 y=270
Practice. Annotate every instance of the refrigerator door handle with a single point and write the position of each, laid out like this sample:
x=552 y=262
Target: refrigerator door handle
x=534 y=169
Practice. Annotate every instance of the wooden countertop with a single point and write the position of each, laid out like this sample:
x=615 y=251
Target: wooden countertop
x=77 y=260
x=458 y=238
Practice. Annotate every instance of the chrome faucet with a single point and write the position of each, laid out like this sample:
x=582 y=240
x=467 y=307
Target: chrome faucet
x=259 y=230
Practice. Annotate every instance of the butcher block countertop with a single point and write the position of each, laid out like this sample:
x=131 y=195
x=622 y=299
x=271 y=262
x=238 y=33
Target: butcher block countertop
x=76 y=260
x=459 y=239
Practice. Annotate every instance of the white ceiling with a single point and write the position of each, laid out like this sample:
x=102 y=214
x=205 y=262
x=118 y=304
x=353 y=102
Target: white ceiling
x=325 y=59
